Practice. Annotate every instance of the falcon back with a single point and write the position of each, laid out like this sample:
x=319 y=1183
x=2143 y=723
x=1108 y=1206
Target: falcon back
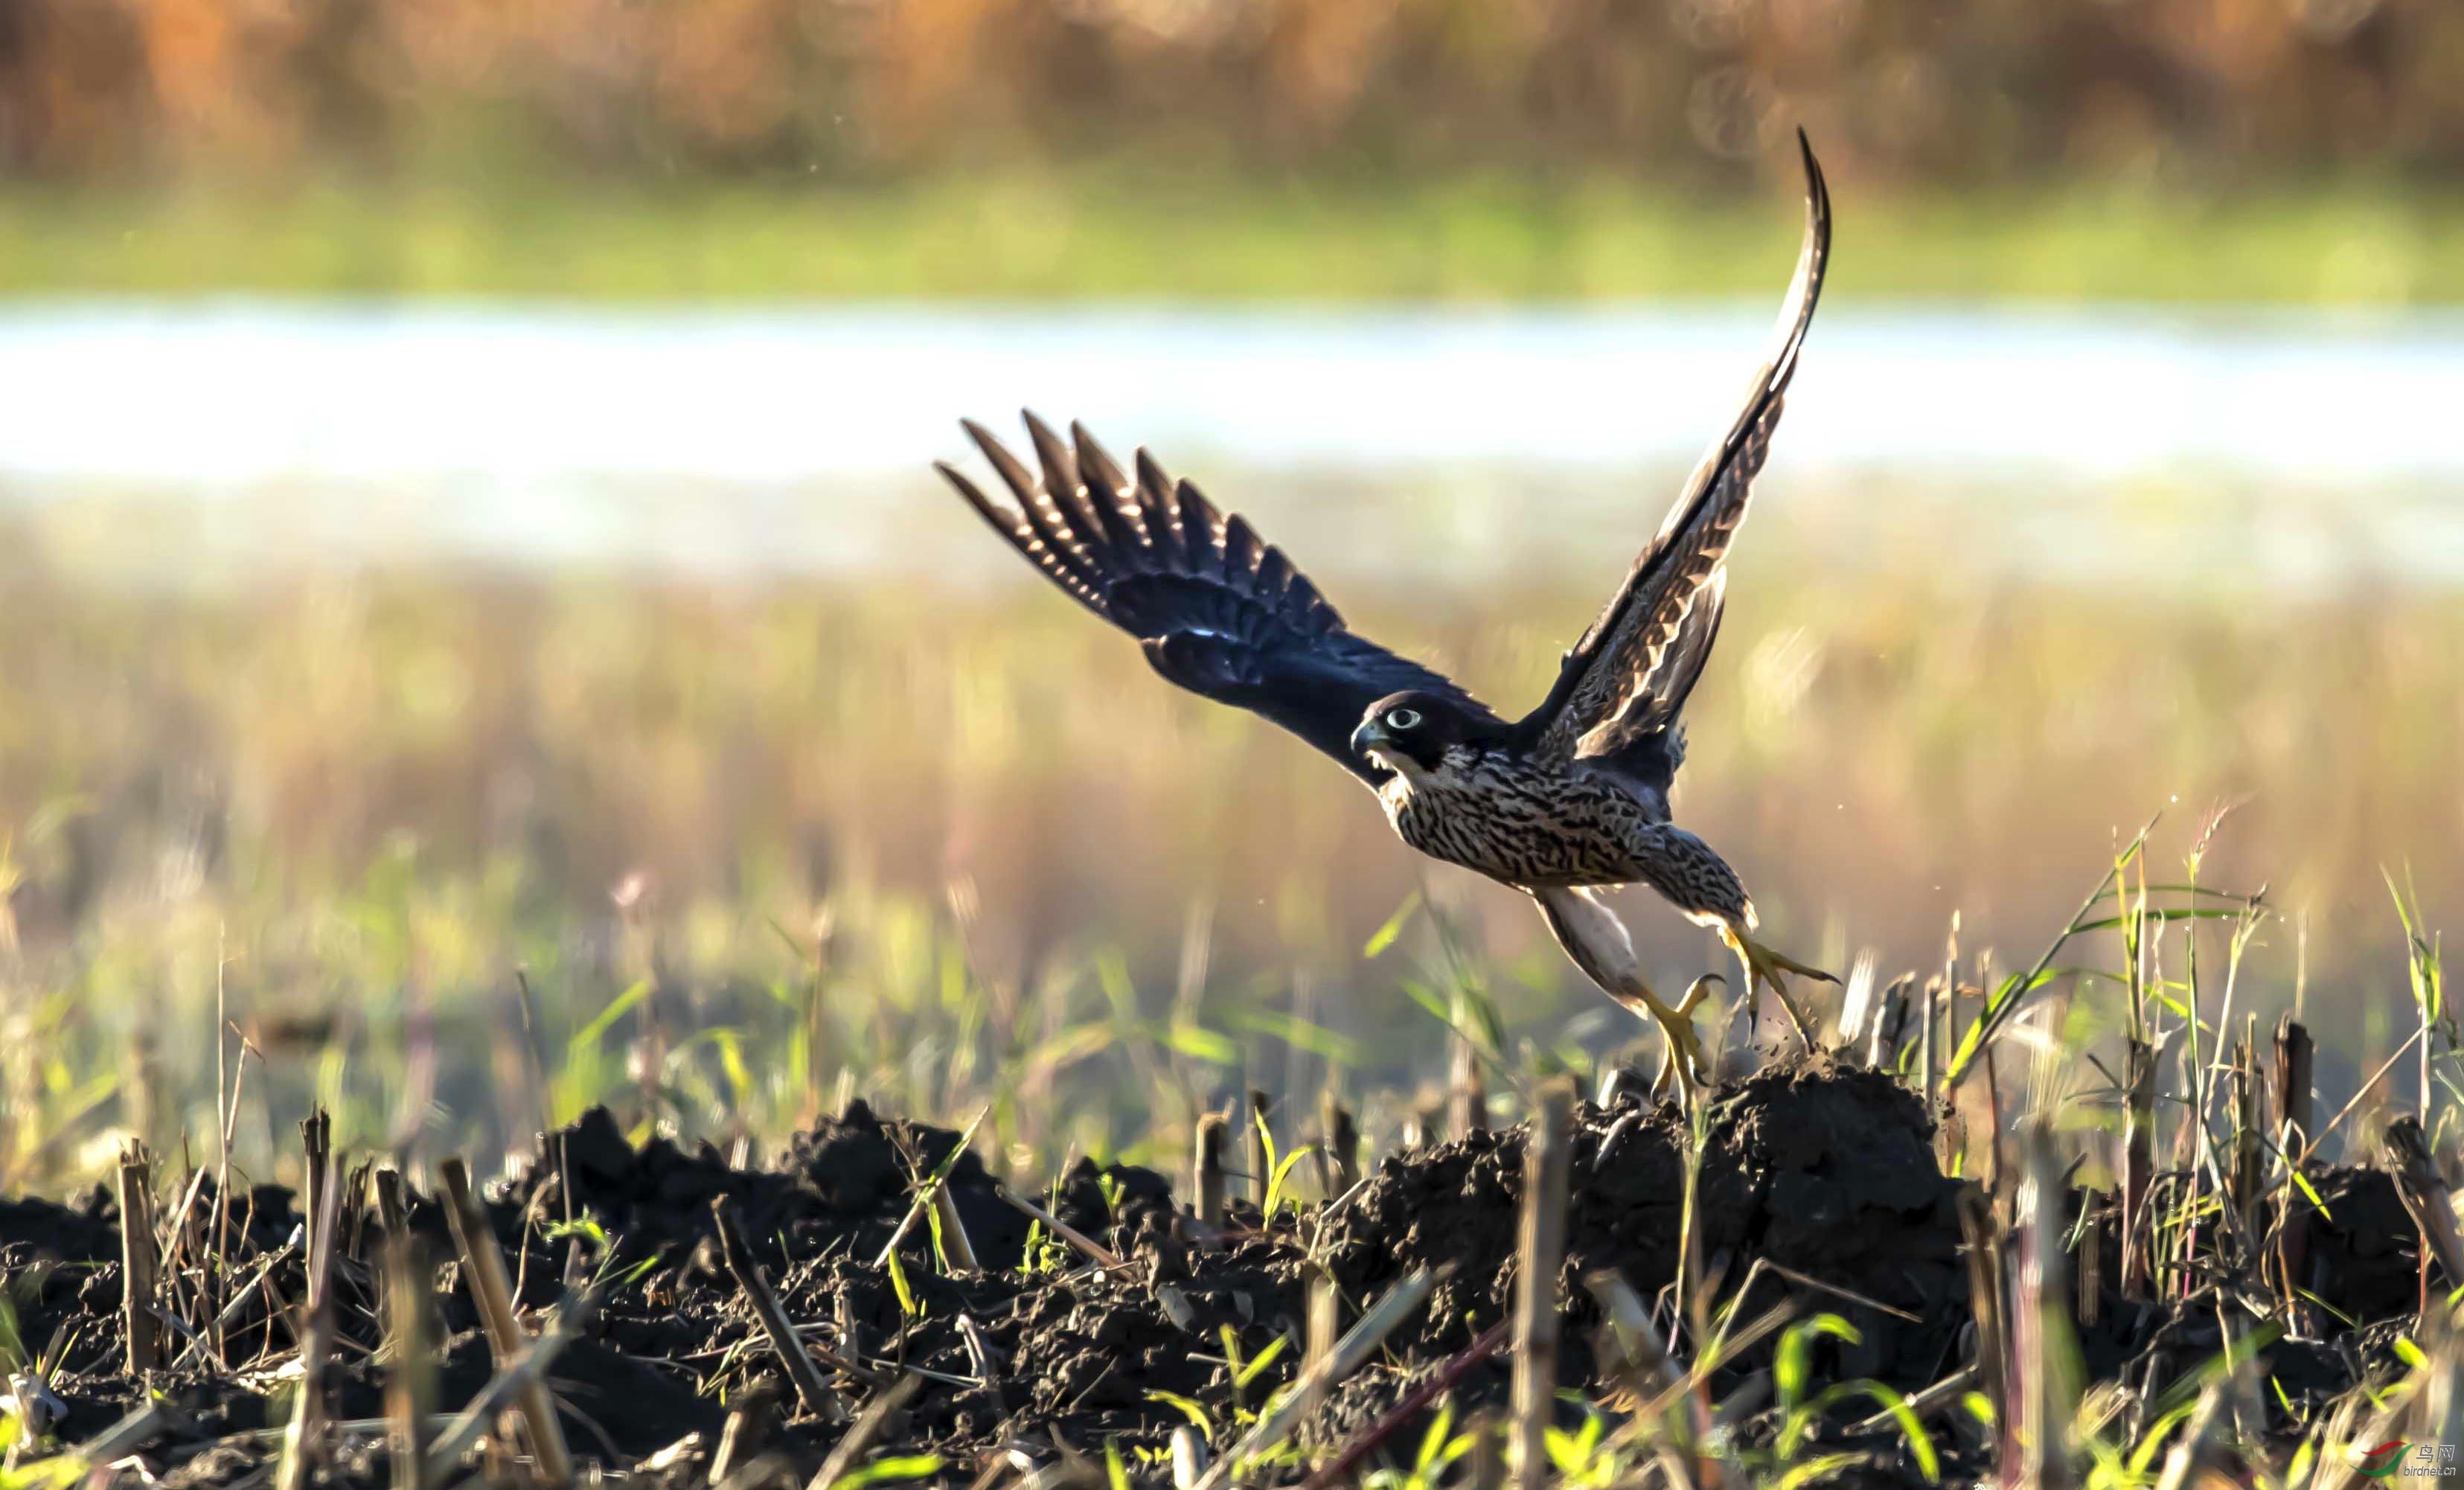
x=1571 y=798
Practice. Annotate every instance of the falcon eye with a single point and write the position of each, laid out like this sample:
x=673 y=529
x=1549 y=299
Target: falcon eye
x=1402 y=718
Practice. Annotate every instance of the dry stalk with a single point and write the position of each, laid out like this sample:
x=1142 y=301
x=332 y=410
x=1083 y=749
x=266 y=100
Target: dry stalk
x=811 y=1389
x=1485 y=1467
x=183 y=1237
x=410 y=1371
x=1208 y=1165
x=316 y=1138
x=860 y=1439
x=138 y=1259
x=484 y=1266
x=1095 y=1250
x=129 y=1435
x=2182 y=1462
x=2138 y=1165
x=1466 y=1099
x=2039 y=1379
x=2090 y=1263
x=391 y=1208
x=303 y=1444
x=1339 y=1469
x=1990 y=1057
x=824 y=1356
x=2294 y=1058
x=1547 y=1165
x=1325 y=1322
x=1889 y=1023
x=955 y=1244
x=1341 y=1153
x=2437 y=1410
x=928 y=1193
x=748 y=1425
x=1400 y=1304
x=981 y=1361
x=2249 y=1135
x=1986 y=1294
x=2295 y=1055
x=35 y=1406
x=1943 y=1394
x=2372 y=1091
x=517 y=1378
x=1188 y=1457
x=1928 y=1013
x=2337 y=1471
x=1640 y=1350
x=355 y=1190
x=2424 y=1190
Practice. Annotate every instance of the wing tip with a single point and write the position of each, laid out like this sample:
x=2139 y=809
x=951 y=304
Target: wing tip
x=985 y=506
x=1155 y=482
x=1060 y=463
x=1813 y=267
x=1095 y=464
x=984 y=440
x=1817 y=195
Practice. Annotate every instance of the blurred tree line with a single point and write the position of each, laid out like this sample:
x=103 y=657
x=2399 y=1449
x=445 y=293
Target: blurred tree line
x=1948 y=91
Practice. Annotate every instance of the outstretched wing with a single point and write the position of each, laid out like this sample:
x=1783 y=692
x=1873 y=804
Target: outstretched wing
x=1219 y=611
x=1618 y=693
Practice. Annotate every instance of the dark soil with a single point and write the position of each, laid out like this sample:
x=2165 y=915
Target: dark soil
x=1823 y=1171
x=1824 y=1175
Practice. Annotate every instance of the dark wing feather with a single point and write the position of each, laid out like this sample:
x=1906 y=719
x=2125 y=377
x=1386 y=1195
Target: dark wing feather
x=1622 y=687
x=1218 y=610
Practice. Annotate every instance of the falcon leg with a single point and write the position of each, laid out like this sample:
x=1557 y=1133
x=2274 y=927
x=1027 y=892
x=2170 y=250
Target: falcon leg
x=1599 y=944
x=1763 y=968
x=1695 y=994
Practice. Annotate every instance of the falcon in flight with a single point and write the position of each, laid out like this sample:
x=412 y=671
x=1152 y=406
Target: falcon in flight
x=1560 y=803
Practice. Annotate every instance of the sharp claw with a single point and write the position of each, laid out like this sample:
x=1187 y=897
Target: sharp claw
x=1802 y=970
x=1680 y=1045
x=1764 y=966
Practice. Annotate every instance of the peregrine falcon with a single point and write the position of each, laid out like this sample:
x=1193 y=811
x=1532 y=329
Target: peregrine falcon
x=1568 y=799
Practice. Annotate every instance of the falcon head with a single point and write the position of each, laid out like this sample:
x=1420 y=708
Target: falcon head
x=1413 y=728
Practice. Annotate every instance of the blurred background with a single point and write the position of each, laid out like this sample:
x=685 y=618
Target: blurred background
x=477 y=626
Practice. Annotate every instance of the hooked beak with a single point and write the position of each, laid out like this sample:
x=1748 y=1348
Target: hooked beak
x=1368 y=738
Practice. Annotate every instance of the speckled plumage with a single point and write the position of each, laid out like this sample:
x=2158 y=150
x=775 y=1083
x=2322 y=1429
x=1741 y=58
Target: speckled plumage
x=1537 y=823
x=1570 y=796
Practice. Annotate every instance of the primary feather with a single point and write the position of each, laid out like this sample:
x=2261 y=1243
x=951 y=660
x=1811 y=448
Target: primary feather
x=1223 y=613
x=1572 y=797
x=1622 y=687
x=1217 y=610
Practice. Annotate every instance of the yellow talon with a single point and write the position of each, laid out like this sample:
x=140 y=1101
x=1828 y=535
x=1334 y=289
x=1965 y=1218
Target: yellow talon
x=1764 y=966
x=1681 y=1046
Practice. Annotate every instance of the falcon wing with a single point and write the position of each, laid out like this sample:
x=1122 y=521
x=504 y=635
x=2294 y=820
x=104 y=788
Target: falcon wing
x=1217 y=610
x=1618 y=693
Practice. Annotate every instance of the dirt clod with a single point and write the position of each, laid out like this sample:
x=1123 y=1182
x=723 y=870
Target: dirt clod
x=1816 y=1190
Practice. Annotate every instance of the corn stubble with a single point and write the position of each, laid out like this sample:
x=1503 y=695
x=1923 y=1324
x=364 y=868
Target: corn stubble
x=2127 y=1146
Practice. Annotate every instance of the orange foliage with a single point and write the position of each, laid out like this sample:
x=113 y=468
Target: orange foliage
x=1951 y=92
